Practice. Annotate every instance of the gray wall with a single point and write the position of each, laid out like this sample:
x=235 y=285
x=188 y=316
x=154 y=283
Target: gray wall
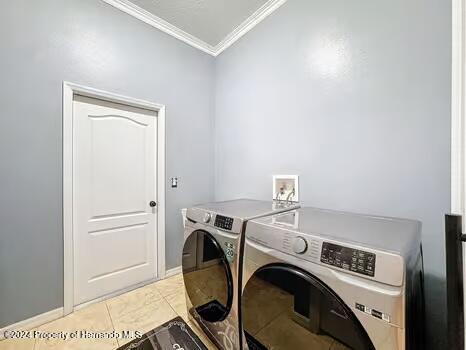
x=91 y=43
x=355 y=98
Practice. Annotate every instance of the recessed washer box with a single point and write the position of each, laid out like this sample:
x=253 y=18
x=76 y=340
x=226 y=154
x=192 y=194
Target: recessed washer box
x=286 y=188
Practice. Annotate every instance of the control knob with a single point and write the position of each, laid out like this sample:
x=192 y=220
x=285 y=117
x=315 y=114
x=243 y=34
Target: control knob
x=299 y=245
x=207 y=217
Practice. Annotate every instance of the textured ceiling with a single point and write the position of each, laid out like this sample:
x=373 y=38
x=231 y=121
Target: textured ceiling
x=208 y=20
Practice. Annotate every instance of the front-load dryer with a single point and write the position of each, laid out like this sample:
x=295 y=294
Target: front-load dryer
x=320 y=279
x=214 y=234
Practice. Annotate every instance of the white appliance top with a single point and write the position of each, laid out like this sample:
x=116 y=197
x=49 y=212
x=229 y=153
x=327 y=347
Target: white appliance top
x=389 y=234
x=246 y=209
x=231 y=215
x=376 y=248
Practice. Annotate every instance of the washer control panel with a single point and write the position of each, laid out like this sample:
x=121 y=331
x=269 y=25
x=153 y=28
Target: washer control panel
x=223 y=222
x=346 y=258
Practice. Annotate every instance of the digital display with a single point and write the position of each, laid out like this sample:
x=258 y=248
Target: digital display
x=223 y=222
x=348 y=259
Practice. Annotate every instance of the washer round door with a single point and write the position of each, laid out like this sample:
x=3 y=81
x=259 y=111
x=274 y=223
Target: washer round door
x=284 y=307
x=207 y=277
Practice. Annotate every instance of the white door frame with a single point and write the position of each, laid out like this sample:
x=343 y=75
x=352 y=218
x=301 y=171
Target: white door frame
x=458 y=95
x=69 y=91
x=458 y=116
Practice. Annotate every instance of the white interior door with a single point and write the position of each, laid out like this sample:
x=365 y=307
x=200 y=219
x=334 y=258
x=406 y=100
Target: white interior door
x=114 y=150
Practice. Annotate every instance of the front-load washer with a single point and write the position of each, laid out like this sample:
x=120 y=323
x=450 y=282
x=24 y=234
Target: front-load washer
x=214 y=234
x=321 y=279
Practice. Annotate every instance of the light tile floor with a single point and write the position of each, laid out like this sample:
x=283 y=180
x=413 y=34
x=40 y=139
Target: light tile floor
x=142 y=309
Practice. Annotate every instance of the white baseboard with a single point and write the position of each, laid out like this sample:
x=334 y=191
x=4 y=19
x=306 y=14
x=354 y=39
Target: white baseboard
x=173 y=272
x=33 y=322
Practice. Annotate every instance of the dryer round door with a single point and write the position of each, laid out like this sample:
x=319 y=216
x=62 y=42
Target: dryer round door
x=284 y=307
x=207 y=277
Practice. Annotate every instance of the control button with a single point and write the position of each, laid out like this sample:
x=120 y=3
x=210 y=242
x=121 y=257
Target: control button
x=207 y=217
x=299 y=245
x=360 y=307
x=376 y=313
x=346 y=258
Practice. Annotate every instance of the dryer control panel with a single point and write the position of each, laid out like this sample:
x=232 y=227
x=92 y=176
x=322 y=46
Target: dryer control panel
x=347 y=257
x=354 y=260
x=223 y=222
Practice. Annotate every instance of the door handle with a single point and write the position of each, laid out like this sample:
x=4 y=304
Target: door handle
x=152 y=204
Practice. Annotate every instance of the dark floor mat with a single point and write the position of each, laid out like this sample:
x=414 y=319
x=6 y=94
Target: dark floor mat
x=174 y=334
x=253 y=343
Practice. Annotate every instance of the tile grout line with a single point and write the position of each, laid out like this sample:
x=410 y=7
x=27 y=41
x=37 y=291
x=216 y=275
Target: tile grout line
x=169 y=304
x=111 y=320
x=171 y=307
x=165 y=296
x=170 y=294
x=110 y=316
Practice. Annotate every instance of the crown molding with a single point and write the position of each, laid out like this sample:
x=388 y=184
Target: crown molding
x=157 y=22
x=263 y=12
